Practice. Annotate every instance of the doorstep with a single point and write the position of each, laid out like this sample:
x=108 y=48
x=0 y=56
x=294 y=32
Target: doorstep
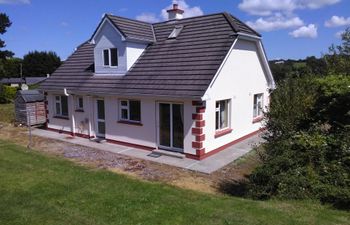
x=207 y=165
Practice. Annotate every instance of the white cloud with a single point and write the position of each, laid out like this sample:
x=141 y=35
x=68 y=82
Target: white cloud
x=189 y=11
x=339 y=34
x=268 y=7
x=277 y=22
x=14 y=2
x=337 y=21
x=309 y=31
x=148 y=17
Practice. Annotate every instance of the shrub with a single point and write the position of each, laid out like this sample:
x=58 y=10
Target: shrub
x=7 y=94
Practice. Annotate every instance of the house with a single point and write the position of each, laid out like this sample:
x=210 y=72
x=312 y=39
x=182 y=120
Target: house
x=191 y=85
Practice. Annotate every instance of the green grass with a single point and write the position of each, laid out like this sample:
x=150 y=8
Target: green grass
x=40 y=189
x=7 y=112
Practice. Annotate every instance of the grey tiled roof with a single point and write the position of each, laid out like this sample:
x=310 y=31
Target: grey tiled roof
x=181 y=67
x=31 y=95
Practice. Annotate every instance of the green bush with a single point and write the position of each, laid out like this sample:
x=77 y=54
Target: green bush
x=7 y=94
x=307 y=153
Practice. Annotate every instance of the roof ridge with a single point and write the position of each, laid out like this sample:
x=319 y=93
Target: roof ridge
x=258 y=34
x=110 y=15
x=206 y=15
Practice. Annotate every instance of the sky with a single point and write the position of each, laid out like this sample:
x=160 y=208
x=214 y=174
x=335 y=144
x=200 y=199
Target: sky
x=291 y=29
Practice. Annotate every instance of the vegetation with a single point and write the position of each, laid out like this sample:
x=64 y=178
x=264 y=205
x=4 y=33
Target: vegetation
x=40 y=63
x=307 y=154
x=7 y=93
x=37 y=189
x=7 y=112
x=4 y=24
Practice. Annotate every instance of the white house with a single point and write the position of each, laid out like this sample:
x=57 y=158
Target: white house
x=193 y=85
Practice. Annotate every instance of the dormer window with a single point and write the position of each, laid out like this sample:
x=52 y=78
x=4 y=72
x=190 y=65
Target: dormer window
x=175 y=33
x=110 y=57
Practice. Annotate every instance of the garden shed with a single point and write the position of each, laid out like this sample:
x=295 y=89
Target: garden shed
x=30 y=107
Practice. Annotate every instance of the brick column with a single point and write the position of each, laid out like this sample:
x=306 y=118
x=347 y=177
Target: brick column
x=197 y=130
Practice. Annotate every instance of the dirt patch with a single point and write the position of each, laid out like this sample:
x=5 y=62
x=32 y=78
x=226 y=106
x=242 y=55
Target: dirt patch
x=137 y=168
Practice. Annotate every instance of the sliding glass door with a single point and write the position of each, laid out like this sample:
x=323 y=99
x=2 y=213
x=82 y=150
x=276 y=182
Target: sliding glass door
x=171 y=126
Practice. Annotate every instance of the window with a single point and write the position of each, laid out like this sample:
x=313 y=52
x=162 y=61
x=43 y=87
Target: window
x=110 y=57
x=258 y=105
x=222 y=114
x=130 y=110
x=61 y=106
x=175 y=32
x=79 y=103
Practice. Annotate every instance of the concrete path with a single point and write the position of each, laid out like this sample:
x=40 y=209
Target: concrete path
x=207 y=165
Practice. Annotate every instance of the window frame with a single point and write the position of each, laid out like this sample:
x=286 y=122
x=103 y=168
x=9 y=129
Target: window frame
x=79 y=107
x=109 y=50
x=228 y=113
x=127 y=107
x=258 y=111
x=58 y=100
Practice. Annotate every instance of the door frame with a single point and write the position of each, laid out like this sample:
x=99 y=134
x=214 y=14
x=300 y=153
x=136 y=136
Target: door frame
x=97 y=119
x=171 y=148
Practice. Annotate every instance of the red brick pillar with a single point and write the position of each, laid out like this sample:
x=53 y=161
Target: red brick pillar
x=198 y=129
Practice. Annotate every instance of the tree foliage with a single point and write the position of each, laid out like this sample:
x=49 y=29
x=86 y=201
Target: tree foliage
x=40 y=63
x=4 y=24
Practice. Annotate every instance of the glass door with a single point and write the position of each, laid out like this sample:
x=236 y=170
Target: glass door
x=101 y=122
x=171 y=128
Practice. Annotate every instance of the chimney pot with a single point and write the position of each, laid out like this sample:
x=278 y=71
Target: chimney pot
x=175 y=13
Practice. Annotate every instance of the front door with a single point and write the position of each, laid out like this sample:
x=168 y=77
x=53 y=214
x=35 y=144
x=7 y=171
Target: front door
x=100 y=118
x=171 y=126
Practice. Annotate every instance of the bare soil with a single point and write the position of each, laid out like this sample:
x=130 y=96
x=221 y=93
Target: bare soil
x=137 y=168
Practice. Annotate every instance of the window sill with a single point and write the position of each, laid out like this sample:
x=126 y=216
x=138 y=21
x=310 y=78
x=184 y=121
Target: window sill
x=61 y=117
x=222 y=132
x=130 y=123
x=257 y=119
x=79 y=110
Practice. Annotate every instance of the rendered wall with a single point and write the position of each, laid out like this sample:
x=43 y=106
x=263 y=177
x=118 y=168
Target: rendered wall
x=240 y=78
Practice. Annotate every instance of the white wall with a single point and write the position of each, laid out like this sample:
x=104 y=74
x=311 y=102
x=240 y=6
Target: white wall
x=56 y=123
x=240 y=78
x=133 y=52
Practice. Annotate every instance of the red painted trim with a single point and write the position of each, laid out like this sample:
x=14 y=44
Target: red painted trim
x=201 y=157
x=196 y=130
x=130 y=145
x=197 y=116
x=200 y=152
x=200 y=109
x=200 y=137
x=197 y=103
x=222 y=132
x=130 y=123
x=108 y=140
x=258 y=119
x=197 y=144
x=200 y=123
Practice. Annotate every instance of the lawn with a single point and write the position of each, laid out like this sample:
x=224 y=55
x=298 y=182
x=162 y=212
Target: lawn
x=7 y=112
x=40 y=189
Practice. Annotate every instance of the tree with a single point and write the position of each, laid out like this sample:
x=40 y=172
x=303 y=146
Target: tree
x=4 y=24
x=11 y=67
x=40 y=63
x=338 y=58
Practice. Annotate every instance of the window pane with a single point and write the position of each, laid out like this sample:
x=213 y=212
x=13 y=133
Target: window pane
x=223 y=114
x=124 y=103
x=135 y=110
x=178 y=126
x=57 y=98
x=217 y=117
x=100 y=109
x=106 y=57
x=124 y=114
x=114 y=57
x=64 y=105
x=58 y=108
x=101 y=127
x=80 y=103
x=164 y=126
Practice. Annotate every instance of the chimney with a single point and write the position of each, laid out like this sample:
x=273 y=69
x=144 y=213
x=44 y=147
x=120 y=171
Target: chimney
x=175 y=13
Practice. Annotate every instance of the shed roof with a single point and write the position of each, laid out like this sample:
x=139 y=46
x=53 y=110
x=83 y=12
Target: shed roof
x=181 y=67
x=31 y=96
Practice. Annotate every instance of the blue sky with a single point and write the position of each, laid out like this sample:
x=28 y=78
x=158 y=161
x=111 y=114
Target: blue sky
x=290 y=28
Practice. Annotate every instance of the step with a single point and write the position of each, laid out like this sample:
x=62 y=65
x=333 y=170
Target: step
x=98 y=140
x=169 y=153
